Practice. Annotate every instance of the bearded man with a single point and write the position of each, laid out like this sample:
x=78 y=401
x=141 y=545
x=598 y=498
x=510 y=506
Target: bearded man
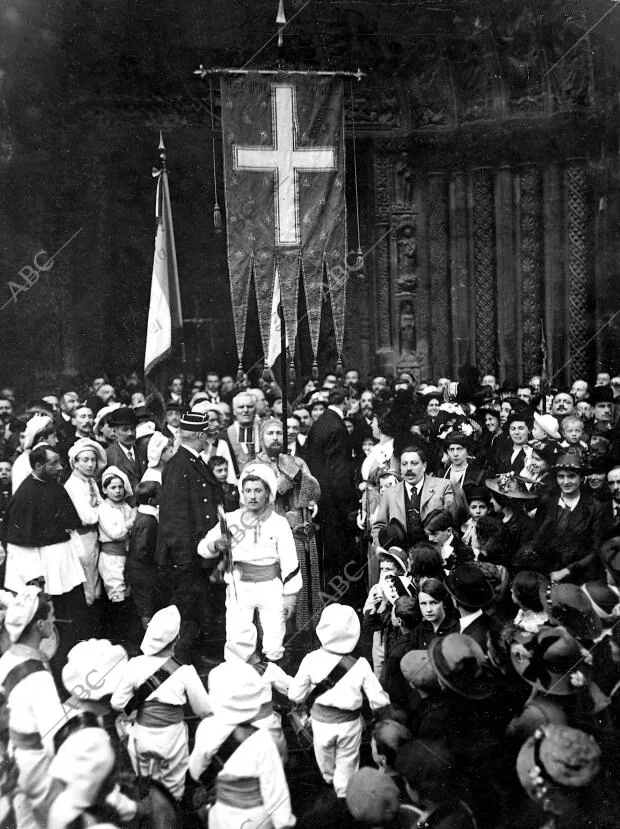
x=297 y=496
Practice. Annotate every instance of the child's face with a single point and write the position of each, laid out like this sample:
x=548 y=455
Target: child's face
x=221 y=472
x=386 y=483
x=86 y=464
x=115 y=490
x=573 y=431
x=477 y=509
x=367 y=446
x=5 y=472
x=387 y=568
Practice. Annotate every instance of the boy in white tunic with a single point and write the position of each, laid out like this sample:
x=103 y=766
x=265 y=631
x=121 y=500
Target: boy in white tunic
x=35 y=710
x=336 y=720
x=86 y=458
x=265 y=569
x=251 y=789
x=116 y=518
x=159 y=729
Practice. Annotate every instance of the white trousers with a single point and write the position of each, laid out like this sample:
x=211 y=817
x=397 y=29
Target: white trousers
x=337 y=751
x=223 y=816
x=112 y=571
x=87 y=547
x=264 y=596
x=378 y=653
x=162 y=753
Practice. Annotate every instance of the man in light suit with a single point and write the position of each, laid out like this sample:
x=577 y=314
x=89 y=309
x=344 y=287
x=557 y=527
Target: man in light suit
x=411 y=500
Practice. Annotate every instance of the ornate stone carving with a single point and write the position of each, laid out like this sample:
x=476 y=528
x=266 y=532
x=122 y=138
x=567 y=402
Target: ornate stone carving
x=484 y=269
x=382 y=287
x=404 y=183
x=383 y=186
x=531 y=224
x=578 y=282
x=438 y=272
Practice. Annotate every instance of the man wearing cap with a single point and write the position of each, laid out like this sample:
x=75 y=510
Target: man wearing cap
x=35 y=710
x=410 y=501
x=123 y=453
x=263 y=571
x=188 y=509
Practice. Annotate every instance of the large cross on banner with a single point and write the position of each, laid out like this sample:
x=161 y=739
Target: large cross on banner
x=285 y=159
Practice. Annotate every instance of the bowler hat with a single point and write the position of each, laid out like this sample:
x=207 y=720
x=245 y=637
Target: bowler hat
x=123 y=416
x=469 y=587
x=601 y=394
x=393 y=535
x=459 y=662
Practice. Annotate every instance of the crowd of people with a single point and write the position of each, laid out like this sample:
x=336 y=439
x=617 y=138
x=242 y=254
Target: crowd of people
x=438 y=560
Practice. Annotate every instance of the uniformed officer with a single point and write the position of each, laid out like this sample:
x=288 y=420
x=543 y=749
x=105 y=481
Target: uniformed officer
x=189 y=498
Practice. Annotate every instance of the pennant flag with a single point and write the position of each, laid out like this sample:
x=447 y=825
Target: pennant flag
x=165 y=303
x=284 y=167
x=275 y=329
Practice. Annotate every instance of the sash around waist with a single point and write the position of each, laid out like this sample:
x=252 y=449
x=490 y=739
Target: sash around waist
x=241 y=792
x=113 y=548
x=257 y=572
x=156 y=714
x=28 y=742
x=330 y=714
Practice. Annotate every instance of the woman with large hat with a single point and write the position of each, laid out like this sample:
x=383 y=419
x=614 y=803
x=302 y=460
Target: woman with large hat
x=510 y=499
x=570 y=525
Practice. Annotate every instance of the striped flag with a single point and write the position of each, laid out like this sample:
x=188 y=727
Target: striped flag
x=275 y=326
x=165 y=303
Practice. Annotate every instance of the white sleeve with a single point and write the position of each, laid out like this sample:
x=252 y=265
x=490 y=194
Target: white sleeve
x=273 y=785
x=301 y=683
x=196 y=692
x=88 y=514
x=289 y=563
x=372 y=687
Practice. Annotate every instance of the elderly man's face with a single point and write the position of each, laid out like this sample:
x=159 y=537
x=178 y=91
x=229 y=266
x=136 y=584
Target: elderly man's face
x=244 y=409
x=562 y=405
x=51 y=470
x=584 y=410
x=579 y=390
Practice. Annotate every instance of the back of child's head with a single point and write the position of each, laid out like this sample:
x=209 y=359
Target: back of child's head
x=425 y=561
x=428 y=767
x=438 y=521
x=406 y=610
x=526 y=589
x=147 y=491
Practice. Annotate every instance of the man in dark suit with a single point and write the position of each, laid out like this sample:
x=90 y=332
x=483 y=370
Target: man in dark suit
x=328 y=455
x=471 y=593
x=611 y=509
x=188 y=510
x=414 y=498
x=123 y=453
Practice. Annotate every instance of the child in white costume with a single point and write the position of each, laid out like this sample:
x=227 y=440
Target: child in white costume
x=251 y=789
x=272 y=676
x=159 y=728
x=266 y=574
x=86 y=458
x=116 y=518
x=336 y=720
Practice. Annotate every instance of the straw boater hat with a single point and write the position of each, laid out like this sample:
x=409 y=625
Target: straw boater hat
x=338 y=629
x=459 y=662
x=510 y=486
x=554 y=763
x=87 y=445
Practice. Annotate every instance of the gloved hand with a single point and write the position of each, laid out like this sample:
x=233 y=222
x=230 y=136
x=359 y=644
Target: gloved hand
x=289 y=603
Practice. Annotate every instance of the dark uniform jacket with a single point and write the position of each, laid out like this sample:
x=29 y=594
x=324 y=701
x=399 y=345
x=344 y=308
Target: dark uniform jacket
x=188 y=509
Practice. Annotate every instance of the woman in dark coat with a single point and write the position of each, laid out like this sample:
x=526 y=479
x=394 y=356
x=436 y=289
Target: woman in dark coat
x=510 y=499
x=570 y=525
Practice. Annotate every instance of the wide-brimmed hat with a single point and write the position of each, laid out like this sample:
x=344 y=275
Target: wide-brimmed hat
x=491 y=410
x=86 y=445
x=395 y=554
x=556 y=761
x=459 y=662
x=551 y=661
x=573 y=461
x=104 y=414
x=394 y=535
x=546 y=449
x=457 y=436
x=469 y=587
x=510 y=486
x=568 y=605
x=549 y=424
x=430 y=392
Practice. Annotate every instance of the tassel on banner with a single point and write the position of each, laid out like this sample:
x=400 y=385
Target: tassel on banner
x=359 y=265
x=291 y=373
x=280 y=22
x=217 y=218
x=315 y=371
x=239 y=373
x=339 y=369
x=267 y=374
